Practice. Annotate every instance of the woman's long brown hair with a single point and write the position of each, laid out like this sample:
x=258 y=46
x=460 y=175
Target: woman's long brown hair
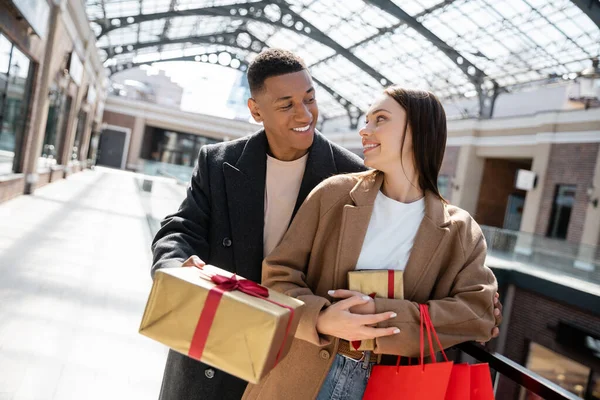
x=426 y=118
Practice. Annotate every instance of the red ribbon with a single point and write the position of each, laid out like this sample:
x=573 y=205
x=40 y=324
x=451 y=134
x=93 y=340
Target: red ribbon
x=391 y=284
x=207 y=316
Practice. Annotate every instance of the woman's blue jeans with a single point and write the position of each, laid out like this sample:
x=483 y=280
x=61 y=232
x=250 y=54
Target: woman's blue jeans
x=346 y=380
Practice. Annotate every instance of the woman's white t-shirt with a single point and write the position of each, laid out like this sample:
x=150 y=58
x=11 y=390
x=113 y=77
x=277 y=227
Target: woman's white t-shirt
x=391 y=233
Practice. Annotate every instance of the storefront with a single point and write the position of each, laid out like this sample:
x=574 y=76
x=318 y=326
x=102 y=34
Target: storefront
x=56 y=126
x=16 y=76
x=170 y=152
x=50 y=75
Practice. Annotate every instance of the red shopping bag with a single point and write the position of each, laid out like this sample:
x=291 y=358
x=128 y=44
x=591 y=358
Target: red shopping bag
x=472 y=382
x=435 y=381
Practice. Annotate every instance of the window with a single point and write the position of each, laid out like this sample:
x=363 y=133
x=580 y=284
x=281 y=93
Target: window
x=56 y=125
x=173 y=147
x=15 y=82
x=559 y=369
x=81 y=121
x=170 y=153
x=564 y=198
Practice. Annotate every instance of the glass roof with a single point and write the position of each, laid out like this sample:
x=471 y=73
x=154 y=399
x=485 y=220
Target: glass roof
x=355 y=47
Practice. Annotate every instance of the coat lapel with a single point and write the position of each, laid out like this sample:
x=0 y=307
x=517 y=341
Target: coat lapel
x=432 y=232
x=320 y=165
x=355 y=222
x=245 y=186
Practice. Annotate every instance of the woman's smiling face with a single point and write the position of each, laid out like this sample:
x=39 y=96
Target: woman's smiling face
x=383 y=134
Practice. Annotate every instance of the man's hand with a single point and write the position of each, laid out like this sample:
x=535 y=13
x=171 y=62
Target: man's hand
x=194 y=261
x=337 y=320
x=497 y=316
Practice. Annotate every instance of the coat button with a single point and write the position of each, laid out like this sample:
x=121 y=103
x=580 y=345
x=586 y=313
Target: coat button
x=324 y=354
x=226 y=242
x=209 y=373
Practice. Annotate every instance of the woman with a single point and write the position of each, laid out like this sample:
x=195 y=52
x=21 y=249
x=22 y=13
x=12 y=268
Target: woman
x=392 y=217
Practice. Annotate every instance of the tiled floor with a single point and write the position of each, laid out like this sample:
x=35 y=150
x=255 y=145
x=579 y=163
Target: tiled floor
x=74 y=278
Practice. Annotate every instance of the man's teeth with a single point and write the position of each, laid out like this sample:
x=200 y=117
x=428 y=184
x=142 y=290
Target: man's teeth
x=303 y=129
x=370 y=146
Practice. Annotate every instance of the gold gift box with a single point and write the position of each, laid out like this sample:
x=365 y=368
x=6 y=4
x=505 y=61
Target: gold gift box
x=247 y=336
x=375 y=282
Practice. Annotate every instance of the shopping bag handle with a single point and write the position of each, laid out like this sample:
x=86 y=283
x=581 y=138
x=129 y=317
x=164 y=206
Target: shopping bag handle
x=430 y=331
x=429 y=328
x=425 y=322
x=422 y=326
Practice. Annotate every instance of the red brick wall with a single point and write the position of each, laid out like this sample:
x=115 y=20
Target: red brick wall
x=533 y=318
x=57 y=174
x=450 y=161
x=43 y=180
x=571 y=164
x=111 y=118
x=497 y=183
x=10 y=188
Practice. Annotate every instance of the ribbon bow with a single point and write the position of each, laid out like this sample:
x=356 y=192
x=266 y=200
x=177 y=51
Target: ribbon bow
x=243 y=285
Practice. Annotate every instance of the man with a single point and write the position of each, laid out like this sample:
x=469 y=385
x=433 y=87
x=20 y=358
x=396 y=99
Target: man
x=242 y=197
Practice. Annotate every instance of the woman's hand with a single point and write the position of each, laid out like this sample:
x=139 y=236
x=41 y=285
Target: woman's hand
x=366 y=308
x=337 y=320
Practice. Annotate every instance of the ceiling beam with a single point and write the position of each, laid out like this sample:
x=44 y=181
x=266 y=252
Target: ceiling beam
x=277 y=13
x=353 y=111
x=217 y=39
x=591 y=8
x=167 y=26
x=476 y=76
x=392 y=28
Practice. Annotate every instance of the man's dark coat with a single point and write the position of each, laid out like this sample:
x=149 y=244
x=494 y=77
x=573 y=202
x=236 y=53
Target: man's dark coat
x=221 y=221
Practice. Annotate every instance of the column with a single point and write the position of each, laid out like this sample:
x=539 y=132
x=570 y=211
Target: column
x=533 y=200
x=135 y=145
x=70 y=134
x=591 y=227
x=467 y=179
x=85 y=140
x=40 y=112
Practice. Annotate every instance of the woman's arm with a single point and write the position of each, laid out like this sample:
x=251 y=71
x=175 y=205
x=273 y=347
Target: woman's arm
x=466 y=314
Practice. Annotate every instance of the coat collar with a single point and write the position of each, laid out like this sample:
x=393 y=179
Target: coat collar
x=366 y=189
x=320 y=165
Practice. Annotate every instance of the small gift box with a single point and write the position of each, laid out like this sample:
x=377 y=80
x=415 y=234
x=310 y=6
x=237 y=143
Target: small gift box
x=376 y=283
x=225 y=321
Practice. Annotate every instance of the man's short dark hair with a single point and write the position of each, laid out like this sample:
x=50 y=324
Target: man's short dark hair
x=272 y=62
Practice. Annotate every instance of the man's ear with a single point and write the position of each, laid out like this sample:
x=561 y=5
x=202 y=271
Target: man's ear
x=254 y=110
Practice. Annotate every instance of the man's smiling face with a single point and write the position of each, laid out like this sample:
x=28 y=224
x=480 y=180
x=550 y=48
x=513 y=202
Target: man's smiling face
x=287 y=107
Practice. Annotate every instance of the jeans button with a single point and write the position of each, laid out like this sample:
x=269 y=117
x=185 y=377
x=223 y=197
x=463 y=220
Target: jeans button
x=209 y=373
x=324 y=354
x=227 y=242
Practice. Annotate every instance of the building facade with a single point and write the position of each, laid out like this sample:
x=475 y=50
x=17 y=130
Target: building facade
x=52 y=91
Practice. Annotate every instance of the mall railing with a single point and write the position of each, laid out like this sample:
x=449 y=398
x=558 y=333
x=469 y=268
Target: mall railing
x=500 y=365
x=181 y=173
x=555 y=255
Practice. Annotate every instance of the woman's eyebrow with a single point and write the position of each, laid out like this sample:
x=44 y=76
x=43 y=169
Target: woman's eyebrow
x=379 y=109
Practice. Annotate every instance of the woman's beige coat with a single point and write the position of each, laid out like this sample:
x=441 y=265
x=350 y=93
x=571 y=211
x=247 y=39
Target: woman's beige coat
x=445 y=270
